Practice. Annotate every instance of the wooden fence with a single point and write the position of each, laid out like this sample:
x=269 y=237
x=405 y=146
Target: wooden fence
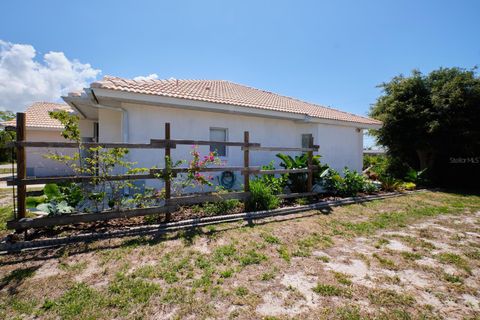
x=20 y=222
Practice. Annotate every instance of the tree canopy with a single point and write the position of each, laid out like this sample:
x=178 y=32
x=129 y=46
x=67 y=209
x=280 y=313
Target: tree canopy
x=432 y=120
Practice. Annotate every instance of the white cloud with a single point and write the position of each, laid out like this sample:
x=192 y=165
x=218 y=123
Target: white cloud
x=24 y=80
x=152 y=76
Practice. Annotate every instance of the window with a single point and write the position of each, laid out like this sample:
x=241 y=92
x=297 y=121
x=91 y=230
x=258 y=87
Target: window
x=306 y=140
x=218 y=134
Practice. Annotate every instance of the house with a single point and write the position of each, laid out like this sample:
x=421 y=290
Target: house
x=41 y=127
x=123 y=110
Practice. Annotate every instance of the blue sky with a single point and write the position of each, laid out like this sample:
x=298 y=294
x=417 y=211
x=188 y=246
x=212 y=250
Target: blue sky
x=333 y=53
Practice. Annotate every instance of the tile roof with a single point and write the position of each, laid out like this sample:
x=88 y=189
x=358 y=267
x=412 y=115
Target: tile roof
x=225 y=92
x=37 y=115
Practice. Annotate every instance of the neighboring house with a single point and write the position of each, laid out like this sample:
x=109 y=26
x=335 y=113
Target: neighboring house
x=136 y=111
x=374 y=152
x=40 y=127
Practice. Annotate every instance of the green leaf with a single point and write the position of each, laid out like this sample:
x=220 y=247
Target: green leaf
x=52 y=191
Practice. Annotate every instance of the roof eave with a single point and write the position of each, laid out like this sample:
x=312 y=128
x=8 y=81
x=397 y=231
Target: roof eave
x=151 y=99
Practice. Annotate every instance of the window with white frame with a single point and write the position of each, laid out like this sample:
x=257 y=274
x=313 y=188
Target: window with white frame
x=218 y=134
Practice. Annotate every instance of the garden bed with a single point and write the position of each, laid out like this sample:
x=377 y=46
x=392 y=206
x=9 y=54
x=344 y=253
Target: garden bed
x=183 y=218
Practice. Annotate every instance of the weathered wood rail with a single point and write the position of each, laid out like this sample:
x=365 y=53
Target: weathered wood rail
x=20 y=222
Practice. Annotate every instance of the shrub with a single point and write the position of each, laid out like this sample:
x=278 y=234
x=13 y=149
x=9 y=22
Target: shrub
x=225 y=206
x=57 y=200
x=261 y=197
x=276 y=184
x=353 y=183
x=297 y=182
x=416 y=177
x=349 y=185
x=389 y=183
x=408 y=186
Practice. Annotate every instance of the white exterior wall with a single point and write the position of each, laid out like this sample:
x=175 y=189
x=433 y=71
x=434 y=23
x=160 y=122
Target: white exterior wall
x=339 y=146
x=37 y=164
x=110 y=125
x=86 y=128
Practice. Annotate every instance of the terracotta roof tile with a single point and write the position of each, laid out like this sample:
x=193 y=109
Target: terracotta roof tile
x=37 y=115
x=225 y=92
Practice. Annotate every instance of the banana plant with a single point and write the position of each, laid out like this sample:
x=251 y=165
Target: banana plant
x=297 y=182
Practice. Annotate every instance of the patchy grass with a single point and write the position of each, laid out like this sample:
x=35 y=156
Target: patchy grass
x=454 y=259
x=269 y=238
x=342 y=278
x=252 y=257
x=412 y=256
x=284 y=253
x=452 y=278
x=390 y=298
x=328 y=290
x=385 y=262
x=338 y=265
x=6 y=214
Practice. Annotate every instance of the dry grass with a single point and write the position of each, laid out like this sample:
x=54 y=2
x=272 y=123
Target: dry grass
x=410 y=257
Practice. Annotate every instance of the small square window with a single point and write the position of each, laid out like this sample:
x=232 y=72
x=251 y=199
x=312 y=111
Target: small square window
x=218 y=134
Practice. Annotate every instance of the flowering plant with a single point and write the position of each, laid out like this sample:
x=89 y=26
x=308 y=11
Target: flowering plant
x=195 y=177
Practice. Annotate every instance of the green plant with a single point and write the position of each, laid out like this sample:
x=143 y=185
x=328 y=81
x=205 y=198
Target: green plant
x=55 y=202
x=297 y=182
x=276 y=184
x=301 y=201
x=261 y=197
x=98 y=162
x=241 y=291
x=220 y=207
x=389 y=183
x=251 y=257
x=328 y=290
x=349 y=185
x=53 y=208
x=408 y=186
x=416 y=177
x=33 y=202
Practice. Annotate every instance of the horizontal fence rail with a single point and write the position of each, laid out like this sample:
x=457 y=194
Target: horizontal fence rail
x=154 y=174
x=171 y=203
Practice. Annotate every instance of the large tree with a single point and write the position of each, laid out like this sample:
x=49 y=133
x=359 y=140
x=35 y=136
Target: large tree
x=432 y=120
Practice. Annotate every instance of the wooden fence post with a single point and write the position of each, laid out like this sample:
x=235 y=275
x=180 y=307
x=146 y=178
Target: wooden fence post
x=168 y=160
x=310 y=164
x=246 y=162
x=21 y=166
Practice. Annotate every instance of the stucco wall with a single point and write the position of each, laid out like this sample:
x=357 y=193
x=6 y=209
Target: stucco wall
x=339 y=146
x=86 y=128
x=109 y=125
x=37 y=164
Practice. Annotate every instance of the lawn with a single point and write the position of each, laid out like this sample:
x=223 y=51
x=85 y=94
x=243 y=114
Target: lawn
x=412 y=257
